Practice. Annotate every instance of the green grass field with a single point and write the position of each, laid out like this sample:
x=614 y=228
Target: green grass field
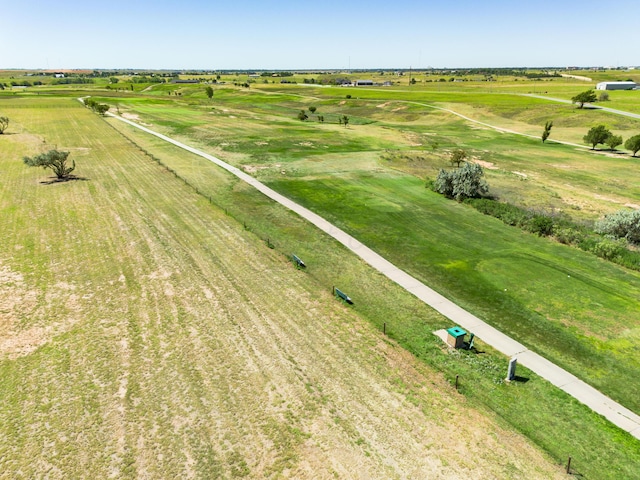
x=340 y=173
x=368 y=179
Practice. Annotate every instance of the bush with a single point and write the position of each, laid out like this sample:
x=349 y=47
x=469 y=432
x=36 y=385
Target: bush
x=568 y=235
x=465 y=182
x=541 y=225
x=509 y=214
x=621 y=224
x=609 y=249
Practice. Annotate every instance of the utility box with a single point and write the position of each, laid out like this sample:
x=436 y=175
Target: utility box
x=455 y=337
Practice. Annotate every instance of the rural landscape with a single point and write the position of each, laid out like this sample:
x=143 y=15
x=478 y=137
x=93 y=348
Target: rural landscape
x=160 y=317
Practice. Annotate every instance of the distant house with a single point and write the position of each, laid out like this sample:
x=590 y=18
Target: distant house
x=59 y=75
x=363 y=83
x=177 y=80
x=616 y=85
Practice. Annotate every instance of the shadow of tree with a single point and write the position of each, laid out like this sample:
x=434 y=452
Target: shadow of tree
x=70 y=178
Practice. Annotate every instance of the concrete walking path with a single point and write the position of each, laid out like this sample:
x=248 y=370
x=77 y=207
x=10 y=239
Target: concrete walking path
x=599 y=403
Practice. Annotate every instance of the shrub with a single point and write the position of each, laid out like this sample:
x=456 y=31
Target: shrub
x=465 y=182
x=541 y=225
x=609 y=249
x=568 y=235
x=509 y=214
x=621 y=224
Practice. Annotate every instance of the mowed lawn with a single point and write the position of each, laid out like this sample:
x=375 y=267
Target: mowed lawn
x=146 y=334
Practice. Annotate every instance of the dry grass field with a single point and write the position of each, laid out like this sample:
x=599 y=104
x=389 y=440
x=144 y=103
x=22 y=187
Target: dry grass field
x=146 y=334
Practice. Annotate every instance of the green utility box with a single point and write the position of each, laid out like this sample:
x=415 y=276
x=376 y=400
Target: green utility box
x=455 y=337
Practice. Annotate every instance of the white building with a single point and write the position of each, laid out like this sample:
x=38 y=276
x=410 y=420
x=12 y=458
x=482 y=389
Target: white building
x=616 y=86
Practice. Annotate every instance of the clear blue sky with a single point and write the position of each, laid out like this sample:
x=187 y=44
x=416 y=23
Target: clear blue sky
x=307 y=34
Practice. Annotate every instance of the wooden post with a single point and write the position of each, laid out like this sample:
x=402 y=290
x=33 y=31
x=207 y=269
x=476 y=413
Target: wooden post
x=569 y=466
x=384 y=328
x=457 y=382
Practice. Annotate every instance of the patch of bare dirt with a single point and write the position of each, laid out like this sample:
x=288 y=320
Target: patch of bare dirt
x=24 y=326
x=131 y=116
x=484 y=164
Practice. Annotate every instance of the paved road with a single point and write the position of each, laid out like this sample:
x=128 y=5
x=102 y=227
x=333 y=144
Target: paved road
x=614 y=412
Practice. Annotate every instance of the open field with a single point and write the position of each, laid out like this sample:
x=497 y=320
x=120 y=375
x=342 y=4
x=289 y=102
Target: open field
x=264 y=220
x=317 y=165
x=147 y=334
x=363 y=178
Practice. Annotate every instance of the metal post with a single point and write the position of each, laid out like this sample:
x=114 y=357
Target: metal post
x=456 y=383
x=569 y=466
x=384 y=328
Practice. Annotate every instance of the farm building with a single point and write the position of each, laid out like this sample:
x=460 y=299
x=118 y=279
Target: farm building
x=616 y=85
x=362 y=83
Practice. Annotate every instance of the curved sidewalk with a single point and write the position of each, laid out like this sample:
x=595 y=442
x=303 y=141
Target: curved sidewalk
x=599 y=403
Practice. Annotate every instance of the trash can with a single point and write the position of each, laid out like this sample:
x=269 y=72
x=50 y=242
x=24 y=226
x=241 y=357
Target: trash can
x=455 y=337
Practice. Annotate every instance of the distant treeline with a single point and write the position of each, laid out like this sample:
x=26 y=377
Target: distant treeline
x=71 y=80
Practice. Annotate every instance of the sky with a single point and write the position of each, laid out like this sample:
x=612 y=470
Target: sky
x=317 y=34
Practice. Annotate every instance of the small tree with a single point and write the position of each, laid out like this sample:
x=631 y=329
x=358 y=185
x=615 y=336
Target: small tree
x=321 y=118
x=102 y=108
x=345 y=121
x=458 y=156
x=604 y=97
x=613 y=141
x=4 y=123
x=585 y=97
x=209 y=92
x=54 y=160
x=633 y=144
x=465 y=182
x=312 y=109
x=547 y=131
x=91 y=103
x=302 y=116
x=597 y=135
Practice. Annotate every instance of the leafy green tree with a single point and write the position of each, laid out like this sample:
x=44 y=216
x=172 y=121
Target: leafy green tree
x=313 y=109
x=321 y=118
x=114 y=79
x=585 y=97
x=54 y=160
x=465 y=182
x=597 y=135
x=547 y=130
x=603 y=97
x=302 y=115
x=102 y=108
x=633 y=144
x=91 y=103
x=345 y=121
x=457 y=157
x=209 y=92
x=4 y=123
x=613 y=141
